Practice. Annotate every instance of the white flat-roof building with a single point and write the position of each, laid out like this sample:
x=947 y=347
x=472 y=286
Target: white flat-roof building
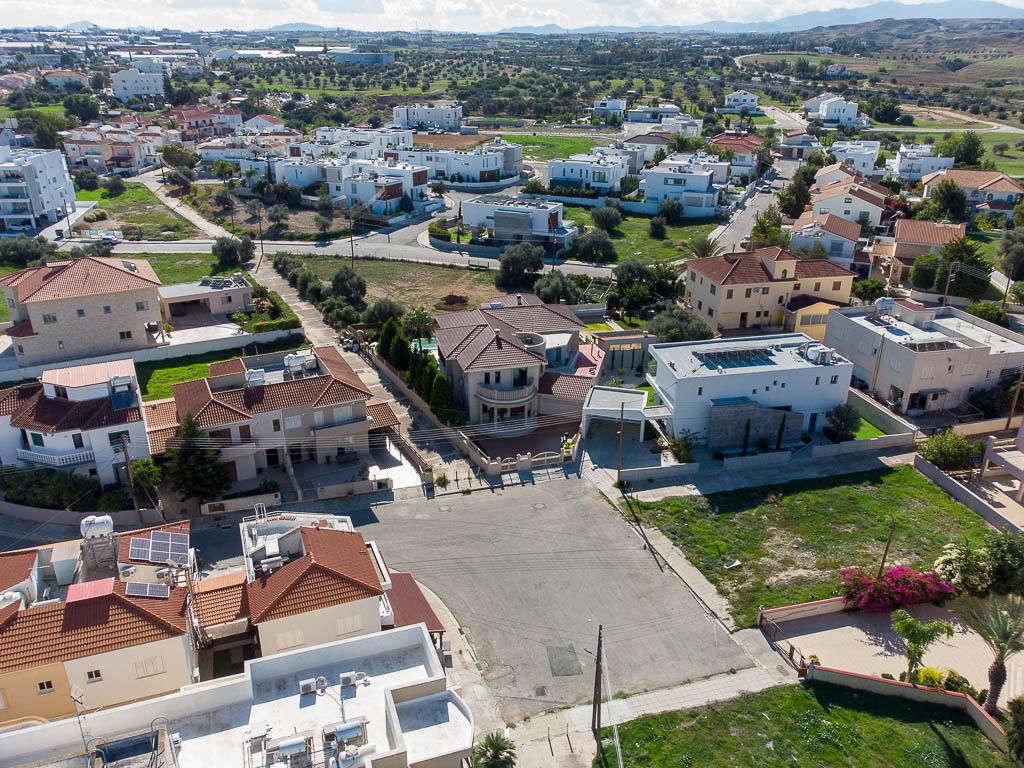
x=447 y=117
x=489 y=162
x=915 y=161
x=922 y=359
x=378 y=138
x=838 y=111
x=35 y=188
x=692 y=185
x=511 y=219
x=684 y=124
x=133 y=84
x=589 y=171
x=609 y=108
x=858 y=155
x=712 y=388
x=652 y=114
x=377 y=700
x=720 y=169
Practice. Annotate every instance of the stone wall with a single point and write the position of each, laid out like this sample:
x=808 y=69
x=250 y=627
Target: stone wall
x=727 y=426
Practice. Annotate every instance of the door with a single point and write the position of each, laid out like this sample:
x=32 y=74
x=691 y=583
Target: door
x=273 y=458
x=743 y=319
x=813 y=423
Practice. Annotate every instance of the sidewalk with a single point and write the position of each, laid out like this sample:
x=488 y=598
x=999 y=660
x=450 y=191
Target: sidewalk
x=205 y=226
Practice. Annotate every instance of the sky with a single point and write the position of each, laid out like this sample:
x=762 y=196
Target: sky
x=459 y=15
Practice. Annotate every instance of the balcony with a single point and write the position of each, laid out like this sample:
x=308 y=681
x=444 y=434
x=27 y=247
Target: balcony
x=56 y=458
x=514 y=395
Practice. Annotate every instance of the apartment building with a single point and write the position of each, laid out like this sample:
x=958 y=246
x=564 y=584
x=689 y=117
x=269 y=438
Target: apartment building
x=733 y=394
x=861 y=156
x=915 y=161
x=919 y=359
x=752 y=290
x=653 y=114
x=739 y=100
x=608 y=108
x=276 y=410
x=851 y=200
x=379 y=139
x=82 y=308
x=514 y=359
x=128 y=147
x=838 y=236
x=489 y=162
x=133 y=84
x=597 y=171
x=510 y=219
x=35 y=188
x=197 y=123
x=78 y=419
x=745 y=148
x=682 y=124
x=63 y=79
x=987 y=191
x=691 y=185
x=915 y=237
x=445 y=117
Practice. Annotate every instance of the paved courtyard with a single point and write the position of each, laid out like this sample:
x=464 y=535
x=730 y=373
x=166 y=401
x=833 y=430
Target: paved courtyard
x=530 y=573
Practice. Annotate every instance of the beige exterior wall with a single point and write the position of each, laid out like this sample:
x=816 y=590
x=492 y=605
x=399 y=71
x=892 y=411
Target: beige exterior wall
x=97 y=332
x=326 y=625
x=837 y=205
x=811 y=320
x=913 y=250
x=20 y=697
x=133 y=673
x=728 y=303
x=469 y=384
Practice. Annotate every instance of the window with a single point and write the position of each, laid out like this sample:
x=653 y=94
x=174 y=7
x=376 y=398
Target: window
x=115 y=437
x=37 y=439
x=487 y=377
x=3 y=700
x=817 y=287
x=61 y=392
x=291 y=639
x=292 y=422
x=785 y=274
x=60 y=344
x=225 y=299
x=700 y=391
x=10 y=303
x=796 y=286
x=747 y=293
x=150 y=667
x=700 y=305
x=21 y=350
x=93 y=676
x=834 y=379
x=712 y=289
x=728 y=294
x=817 y=380
x=80 y=312
x=126 y=335
x=141 y=306
x=837 y=285
x=276 y=424
x=45 y=686
x=76 y=440
x=346 y=625
x=49 y=319
x=245 y=432
x=711 y=312
x=781 y=299
x=343 y=414
x=106 y=310
x=497 y=377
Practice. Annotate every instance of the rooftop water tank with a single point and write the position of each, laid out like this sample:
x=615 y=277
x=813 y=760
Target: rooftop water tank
x=96 y=526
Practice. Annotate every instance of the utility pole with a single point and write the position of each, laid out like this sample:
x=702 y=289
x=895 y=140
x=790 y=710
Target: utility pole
x=259 y=224
x=351 y=237
x=1016 y=395
x=595 y=714
x=618 y=470
x=128 y=468
x=949 y=278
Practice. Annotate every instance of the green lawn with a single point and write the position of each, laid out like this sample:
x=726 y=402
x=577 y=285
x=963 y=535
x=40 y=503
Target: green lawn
x=632 y=240
x=867 y=430
x=1011 y=163
x=792 y=539
x=649 y=390
x=184 y=267
x=140 y=211
x=50 y=109
x=989 y=245
x=5 y=312
x=550 y=147
x=810 y=724
x=157 y=377
x=598 y=327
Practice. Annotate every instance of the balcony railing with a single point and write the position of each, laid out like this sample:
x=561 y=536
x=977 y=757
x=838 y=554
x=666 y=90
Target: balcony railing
x=57 y=459
x=513 y=395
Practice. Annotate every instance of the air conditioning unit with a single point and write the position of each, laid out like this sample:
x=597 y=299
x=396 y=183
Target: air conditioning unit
x=348 y=679
x=127 y=570
x=163 y=573
x=308 y=685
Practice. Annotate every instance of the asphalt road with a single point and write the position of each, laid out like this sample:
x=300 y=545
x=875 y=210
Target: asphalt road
x=530 y=573
x=742 y=221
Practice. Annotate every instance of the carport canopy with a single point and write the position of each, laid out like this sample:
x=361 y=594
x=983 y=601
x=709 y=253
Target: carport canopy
x=612 y=403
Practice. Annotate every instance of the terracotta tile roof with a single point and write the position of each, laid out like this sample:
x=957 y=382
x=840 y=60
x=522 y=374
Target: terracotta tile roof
x=804 y=300
x=741 y=144
x=56 y=632
x=844 y=167
x=221 y=599
x=921 y=232
x=835 y=225
x=851 y=188
x=87 y=276
x=750 y=269
x=409 y=603
x=653 y=137
x=161 y=413
x=513 y=300
x=331 y=359
x=13 y=398
x=336 y=568
x=227 y=367
x=488 y=351
x=996 y=205
x=87 y=375
x=565 y=385
x=47 y=414
x=381 y=414
x=124 y=541
x=990 y=181
x=15 y=567
x=812 y=268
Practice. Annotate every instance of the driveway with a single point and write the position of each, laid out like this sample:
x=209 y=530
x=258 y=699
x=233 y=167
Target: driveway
x=530 y=572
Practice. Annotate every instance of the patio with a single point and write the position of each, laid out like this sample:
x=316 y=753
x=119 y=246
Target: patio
x=542 y=440
x=383 y=462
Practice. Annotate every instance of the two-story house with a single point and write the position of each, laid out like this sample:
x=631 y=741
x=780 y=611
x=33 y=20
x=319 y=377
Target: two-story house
x=738 y=100
x=916 y=237
x=690 y=184
x=512 y=219
x=851 y=200
x=987 y=191
x=744 y=148
x=752 y=290
x=838 y=236
x=81 y=419
x=82 y=308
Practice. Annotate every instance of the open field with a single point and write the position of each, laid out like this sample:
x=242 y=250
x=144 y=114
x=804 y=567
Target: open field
x=632 y=240
x=550 y=147
x=137 y=211
x=792 y=539
x=413 y=285
x=184 y=267
x=301 y=223
x=1011 y=163
x=50 y=109
x=449 y=140
x=811 y=724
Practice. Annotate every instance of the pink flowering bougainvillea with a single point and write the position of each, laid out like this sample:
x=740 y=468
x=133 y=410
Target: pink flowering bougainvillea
x=896 y=587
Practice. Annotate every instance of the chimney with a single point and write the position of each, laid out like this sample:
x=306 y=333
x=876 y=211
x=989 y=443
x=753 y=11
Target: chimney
x=497 y=337
x=519 y=299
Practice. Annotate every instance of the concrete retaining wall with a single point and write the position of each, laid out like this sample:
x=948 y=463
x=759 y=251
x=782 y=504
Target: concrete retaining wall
x=874 y=445
x=804 y=610
x=168 y=352
x=918 y=693
x=964 y=495
x=65 y=517
x=759 y=460
x=630 y=206
x=485 y=251
x=879 y=415
x=356 y=487
x=987 y=427
x=668 y=472
x=483 y=187
x=586 y=312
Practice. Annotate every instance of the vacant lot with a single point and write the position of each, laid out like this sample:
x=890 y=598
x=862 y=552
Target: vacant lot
x=1010 y=162
x=791 y=540
x=301 y=223
x=138 y=213
x=814 y=724
x=184 y=267
x=550 y=147
x=632 y=240
x=414 y=285
x=449 y=140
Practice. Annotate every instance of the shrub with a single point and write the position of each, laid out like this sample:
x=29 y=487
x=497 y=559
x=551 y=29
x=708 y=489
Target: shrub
x=606 y=218
x=897 y=587
x=842 y=424
x=988 y=310
x=671 y=211
x=656 y=228
x=967 y=568
x=924 y=271
x=929 y=676
x=595 y=245
x=948 y=450
x=439 y=232
x=956 y=682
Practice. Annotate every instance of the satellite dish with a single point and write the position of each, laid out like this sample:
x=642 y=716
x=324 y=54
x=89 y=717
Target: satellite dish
x=78 y=695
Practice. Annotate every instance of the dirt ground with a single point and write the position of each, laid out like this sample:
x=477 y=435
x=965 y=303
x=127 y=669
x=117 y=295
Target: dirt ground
x=449 y=140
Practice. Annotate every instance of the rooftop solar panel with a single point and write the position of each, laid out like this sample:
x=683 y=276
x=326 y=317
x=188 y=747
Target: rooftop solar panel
x=140 y=589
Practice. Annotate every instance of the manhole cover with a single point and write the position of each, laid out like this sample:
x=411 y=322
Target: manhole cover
x=563 y=661
x=446 y=507
x=540 y=505
x=540 y=691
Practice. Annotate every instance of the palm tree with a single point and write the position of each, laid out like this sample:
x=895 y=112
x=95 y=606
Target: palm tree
x=495 y=751
x=419 y=323
x=917 y=636
x=999 y=622
x=703 y=247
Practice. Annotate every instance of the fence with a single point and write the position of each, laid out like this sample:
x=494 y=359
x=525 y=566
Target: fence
x=877 y=414
x=775 y=637
x=986 y=427
x=240 y=504
x=965 y=495
x=663 y=472
x=148 y=516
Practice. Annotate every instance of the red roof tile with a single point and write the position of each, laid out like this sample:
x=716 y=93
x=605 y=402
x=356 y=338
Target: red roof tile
x=920 y=232
x=835 y=225
x=565 y=385
x=410 y=605
x=86 y=276
x=221 y=599
x=52 y=414
x=15 y=567
x=381 y=414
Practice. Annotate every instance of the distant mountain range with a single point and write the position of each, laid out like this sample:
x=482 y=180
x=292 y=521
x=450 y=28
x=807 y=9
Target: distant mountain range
x=952 y=9
x=297 y=26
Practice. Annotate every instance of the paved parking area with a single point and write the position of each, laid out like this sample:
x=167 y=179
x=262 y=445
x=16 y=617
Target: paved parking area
x=530 y=572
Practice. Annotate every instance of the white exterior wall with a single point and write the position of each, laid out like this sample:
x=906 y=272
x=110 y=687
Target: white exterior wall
x=447 y=117
x=10 y=442
x=326 y=625
x=37 y=184
x=913 y=165
x=838 y=110
x=121 y=682
x=740 y=99
x=297 y=173
x=589 y=173
x=446 y=163
x=683 y=124
x=690 y=185
x=849 y=207
x=860 y=155
x=131 y=83
x=839 y=249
